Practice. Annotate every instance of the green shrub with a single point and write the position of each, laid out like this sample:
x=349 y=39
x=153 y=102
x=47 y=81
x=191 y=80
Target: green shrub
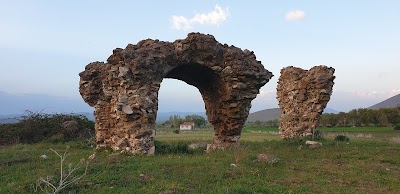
x=342 y=138
x=176 y=131
x=397 y=127
x=35 y=127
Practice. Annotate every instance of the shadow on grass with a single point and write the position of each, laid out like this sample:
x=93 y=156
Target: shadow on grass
x=178 y=147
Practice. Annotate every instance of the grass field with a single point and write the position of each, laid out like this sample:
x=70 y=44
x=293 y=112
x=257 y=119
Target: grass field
x=362 y=133
x=361 y=165
x=329 y=129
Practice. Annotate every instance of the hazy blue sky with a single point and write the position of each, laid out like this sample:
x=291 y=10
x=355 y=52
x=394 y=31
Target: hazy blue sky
x=45 y=44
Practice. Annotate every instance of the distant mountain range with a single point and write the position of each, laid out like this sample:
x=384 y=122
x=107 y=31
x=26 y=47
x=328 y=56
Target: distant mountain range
x=13 y=118
x=392 y=102
x=19 y=103
x=264 y=115
x=274 y=113
x=13 y=105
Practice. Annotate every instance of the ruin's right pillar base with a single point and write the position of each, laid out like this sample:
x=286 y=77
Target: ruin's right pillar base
x=223 y=142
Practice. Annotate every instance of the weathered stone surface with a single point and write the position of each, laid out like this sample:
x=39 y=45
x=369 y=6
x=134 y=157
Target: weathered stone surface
x=124 y=91
x=302 y=96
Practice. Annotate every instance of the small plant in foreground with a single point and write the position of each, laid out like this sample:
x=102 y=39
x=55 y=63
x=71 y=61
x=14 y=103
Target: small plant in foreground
x=67 y=177
x=239 y=153
x=342 y=138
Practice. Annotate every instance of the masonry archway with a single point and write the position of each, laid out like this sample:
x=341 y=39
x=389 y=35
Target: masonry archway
x=124 y=91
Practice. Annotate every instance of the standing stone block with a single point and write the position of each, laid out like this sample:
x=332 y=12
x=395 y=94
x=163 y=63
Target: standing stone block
x=302 y=96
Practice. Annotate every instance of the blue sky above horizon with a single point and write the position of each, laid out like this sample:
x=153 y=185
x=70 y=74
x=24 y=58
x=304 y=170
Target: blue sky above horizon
x=45 y=44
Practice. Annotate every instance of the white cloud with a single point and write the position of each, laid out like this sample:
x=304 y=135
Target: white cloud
x=215 y=17
x=395 y=92
x=267 y=93
x=295 y=15
x=180 y=23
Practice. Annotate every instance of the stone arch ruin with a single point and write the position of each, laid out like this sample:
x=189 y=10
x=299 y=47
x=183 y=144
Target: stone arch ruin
x=124 y=91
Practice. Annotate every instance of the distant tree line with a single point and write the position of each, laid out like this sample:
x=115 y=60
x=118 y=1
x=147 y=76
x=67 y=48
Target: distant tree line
x=362 y=117
x=384 y=117
x=175 y=120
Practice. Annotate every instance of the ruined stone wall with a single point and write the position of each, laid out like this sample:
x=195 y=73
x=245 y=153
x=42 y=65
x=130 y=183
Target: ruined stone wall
x=124 y=91
x=302 y=96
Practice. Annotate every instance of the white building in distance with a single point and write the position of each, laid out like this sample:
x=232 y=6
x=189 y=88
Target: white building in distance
x=187 y=126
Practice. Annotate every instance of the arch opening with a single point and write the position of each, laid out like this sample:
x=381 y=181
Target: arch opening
x=199 y=76
x=209 y=84
x=177 y=96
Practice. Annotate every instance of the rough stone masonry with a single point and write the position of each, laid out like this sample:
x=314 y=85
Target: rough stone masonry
x=124 y=91
x=302 y=96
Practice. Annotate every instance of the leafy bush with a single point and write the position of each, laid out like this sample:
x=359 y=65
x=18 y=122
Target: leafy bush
x=342 y=138
x=176 y=131
x=35 y=127
x=397 y=127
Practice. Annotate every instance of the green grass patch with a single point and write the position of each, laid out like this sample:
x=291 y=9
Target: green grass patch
x=207 y=135
x=260 y=129
x=326 y=129
x=357 y=166
x=355 y=129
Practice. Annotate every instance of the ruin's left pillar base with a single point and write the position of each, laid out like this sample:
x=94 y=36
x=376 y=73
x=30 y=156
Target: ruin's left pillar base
x=223 y=142
x=135 y=146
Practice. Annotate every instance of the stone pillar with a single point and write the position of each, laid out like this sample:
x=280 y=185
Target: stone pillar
x=302 y=97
